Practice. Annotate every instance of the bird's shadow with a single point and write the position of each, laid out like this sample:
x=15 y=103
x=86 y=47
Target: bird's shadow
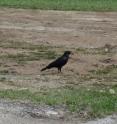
x=51 y=73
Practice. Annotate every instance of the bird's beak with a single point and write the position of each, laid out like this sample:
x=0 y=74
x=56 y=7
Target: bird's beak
x=71 y=54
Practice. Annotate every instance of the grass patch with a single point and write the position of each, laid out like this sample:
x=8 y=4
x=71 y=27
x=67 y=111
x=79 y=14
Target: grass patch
x=32 y=53
x=4 y=72
x=104 y=75
x=77 y=100
x=82 y=5
x=112 y=69
x=97 y=51
x=23 y=45
x=19 y=58
x=107 y=74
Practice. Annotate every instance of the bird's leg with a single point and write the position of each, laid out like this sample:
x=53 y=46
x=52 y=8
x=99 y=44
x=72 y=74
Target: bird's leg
x=59 y=70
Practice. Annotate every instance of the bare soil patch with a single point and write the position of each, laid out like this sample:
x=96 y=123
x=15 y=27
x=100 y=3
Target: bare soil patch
x=92 y=36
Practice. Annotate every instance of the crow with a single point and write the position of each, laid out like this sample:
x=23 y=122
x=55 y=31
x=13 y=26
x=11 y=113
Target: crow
x=59 y=62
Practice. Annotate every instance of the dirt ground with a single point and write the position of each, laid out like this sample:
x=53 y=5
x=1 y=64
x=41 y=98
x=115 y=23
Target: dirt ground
x=92 y=36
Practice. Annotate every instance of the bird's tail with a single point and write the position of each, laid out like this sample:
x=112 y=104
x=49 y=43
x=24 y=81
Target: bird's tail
x=43 y=69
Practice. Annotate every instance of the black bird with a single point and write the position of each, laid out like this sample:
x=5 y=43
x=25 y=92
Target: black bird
x=60 y=62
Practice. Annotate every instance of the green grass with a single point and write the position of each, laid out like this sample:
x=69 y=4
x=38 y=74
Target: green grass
x=82 y=5
x=112 y=70
x=23 y=45
x=107 y=74
x=97 y=51
x=93 y=101
x=31 y=57
x=35 y=52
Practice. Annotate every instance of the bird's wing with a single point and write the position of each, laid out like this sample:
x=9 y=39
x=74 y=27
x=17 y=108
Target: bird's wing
x=58 y=62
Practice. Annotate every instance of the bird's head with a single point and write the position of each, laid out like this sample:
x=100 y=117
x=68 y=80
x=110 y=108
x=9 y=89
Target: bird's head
x=67 y=53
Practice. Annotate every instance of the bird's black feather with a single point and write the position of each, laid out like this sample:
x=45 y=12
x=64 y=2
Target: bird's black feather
x=59 y=63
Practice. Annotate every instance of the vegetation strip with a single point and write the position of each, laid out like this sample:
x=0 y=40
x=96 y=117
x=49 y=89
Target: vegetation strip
x=80 y=5
x=95 y=102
